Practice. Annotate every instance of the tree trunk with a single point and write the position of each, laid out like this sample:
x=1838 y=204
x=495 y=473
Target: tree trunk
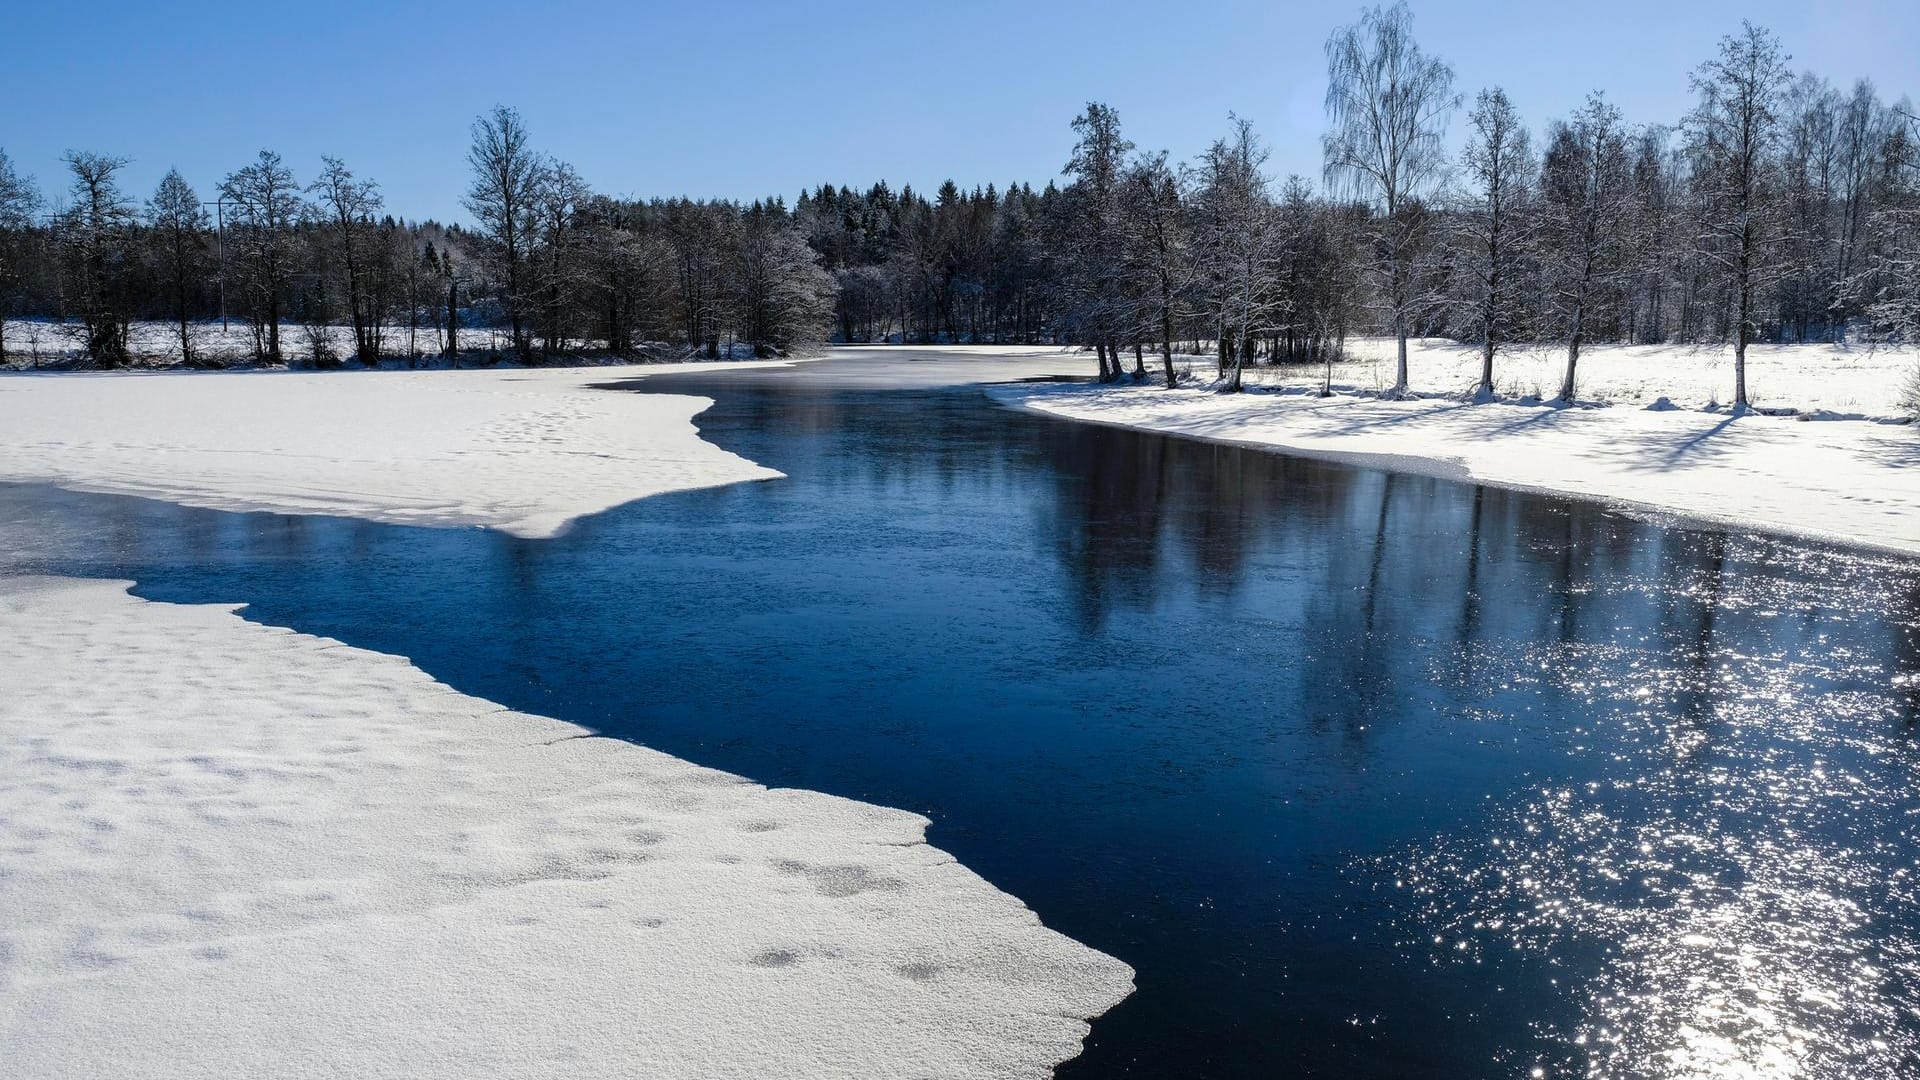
x=453 y=321
x=1740 y=365
x=1166 y=345
x=1400 y=367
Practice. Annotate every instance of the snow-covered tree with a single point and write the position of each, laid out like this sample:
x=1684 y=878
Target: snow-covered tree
x=1895 y=265
x=782 y=295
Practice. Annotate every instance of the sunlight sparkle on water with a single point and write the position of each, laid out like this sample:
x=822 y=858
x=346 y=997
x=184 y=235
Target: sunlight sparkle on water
x=1731 y=901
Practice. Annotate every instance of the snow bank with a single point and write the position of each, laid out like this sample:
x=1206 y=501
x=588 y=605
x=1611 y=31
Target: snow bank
x=234 y=850
x=1853 y=481
x=524 y=451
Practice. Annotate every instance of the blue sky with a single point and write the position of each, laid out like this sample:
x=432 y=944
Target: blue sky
x=748 y=99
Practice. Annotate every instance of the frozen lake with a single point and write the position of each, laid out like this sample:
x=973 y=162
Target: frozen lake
x=1365 y=774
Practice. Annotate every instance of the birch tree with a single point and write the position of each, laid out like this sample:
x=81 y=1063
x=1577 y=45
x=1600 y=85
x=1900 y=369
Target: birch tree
x=1587 y=208
x=1499 y=165
x=1732 y=133
x=1388 y=104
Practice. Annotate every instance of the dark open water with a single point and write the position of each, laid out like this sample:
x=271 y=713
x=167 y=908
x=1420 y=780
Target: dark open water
x=1367 y=775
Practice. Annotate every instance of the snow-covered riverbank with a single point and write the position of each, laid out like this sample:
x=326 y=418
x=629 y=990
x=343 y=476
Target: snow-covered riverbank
x=521 y=450
x=228 y=849
x=232 y=850
x=1851 y=480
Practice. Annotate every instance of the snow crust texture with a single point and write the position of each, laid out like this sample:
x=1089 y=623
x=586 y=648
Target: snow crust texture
x=523 y=451
x=234 y=850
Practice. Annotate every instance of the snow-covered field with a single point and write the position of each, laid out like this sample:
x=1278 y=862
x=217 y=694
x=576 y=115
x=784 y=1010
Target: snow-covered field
x=1818 y=474
x=231 y=850
x=522 y=450
x=33 y=343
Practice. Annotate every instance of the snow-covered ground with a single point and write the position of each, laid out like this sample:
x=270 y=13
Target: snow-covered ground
x=522 y=450
x=232 y=850
x=1826 y=473
x=1844 y=380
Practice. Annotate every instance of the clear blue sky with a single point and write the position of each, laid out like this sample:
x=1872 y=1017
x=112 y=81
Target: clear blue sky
x=748 y=99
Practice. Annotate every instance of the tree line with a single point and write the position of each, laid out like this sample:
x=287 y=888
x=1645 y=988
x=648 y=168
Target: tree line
x=558 y=268
x=1780 y=208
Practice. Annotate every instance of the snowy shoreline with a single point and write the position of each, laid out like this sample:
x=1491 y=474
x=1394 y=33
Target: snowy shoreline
x=229 y=849
x=234 y=849
x=1851 y=482
x=523 y=450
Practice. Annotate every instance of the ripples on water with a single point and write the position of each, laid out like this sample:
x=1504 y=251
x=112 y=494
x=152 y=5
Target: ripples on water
x=1734 y=894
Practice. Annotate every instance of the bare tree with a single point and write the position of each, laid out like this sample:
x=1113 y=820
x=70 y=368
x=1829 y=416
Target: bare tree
x=1895 y=307
x=504 y=199
x=1095 y=285
x=1388 y=103
x=267 y=206
x=782 y=296
x=348 y=205
x=698 y=234
x=1864 y=126
x=560 y=195
x=1236 y=227
x=1732 y=133
x=1587 y=211
x=97 y=232
x=179 y=223
x=18 y=203
x=1159 y=255
x=1499 y=163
